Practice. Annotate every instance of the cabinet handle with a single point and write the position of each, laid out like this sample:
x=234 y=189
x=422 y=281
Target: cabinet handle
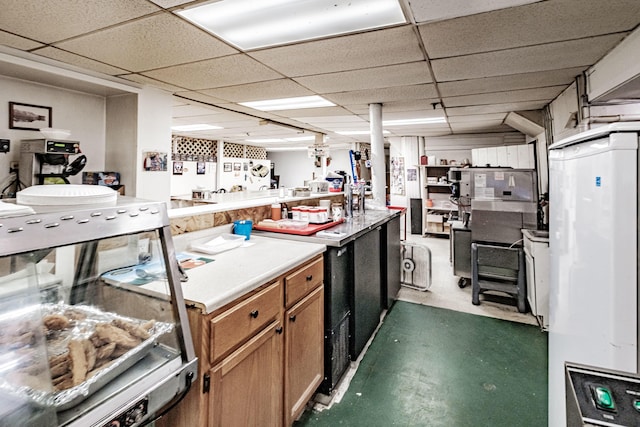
x=309 y=277
x=279 y=330
x=292 y=317
x=254 y=314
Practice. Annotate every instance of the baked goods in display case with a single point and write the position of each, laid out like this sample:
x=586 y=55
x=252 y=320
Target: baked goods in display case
x=79 y=339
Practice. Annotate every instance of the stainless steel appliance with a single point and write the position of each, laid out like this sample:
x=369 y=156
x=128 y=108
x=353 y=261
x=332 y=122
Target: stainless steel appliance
x=503 y=202
x=45 y=161
x=93 y=325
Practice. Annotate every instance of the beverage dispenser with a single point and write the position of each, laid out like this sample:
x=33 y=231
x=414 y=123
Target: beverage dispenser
x=47 y=161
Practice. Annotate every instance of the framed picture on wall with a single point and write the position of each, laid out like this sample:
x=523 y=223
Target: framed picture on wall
x=200 y=168
x=28 y=116
x=154 y=161
x=227 y=167
x=177 y=168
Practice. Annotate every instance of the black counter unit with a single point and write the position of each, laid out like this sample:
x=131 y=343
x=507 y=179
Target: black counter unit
x=361 y=278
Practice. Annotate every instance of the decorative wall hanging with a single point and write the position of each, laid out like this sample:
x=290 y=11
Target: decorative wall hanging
x=29 y=117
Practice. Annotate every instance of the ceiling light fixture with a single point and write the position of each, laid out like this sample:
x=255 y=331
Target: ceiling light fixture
x=297 y=103
x=251 y=24
x=195 y=127
x=409 y=122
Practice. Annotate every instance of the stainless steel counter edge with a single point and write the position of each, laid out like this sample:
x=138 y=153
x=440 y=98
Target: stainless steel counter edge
x=353 y=228
x=238 y=271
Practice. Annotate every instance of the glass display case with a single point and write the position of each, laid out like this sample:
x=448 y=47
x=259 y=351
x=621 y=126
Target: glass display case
x=93 y=325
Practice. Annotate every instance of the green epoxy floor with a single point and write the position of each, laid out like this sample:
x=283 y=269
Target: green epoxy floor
x=429 y=366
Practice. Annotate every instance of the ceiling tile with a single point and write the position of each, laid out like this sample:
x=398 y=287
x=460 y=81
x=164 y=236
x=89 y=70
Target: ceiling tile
x=425 y=105
x=170 y=3
x=271 y=89
x=525 y=59
x=430 y=10
x=352 y=52
x=477 y=118
x=488 y=126
x=496 y=108
x=542 y=94
x=538 y=23
x=17 y=42
x=369 y=78
x=153 y=42
x=200 y=97
x=311 y=112
x=226 y=71
x=80 y=61
x=49 y=21
x=511 y=82
x=151 y=82
x=399 y=93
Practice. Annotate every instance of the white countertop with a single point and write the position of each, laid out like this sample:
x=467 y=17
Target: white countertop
x=220 y=202
x=235 y=272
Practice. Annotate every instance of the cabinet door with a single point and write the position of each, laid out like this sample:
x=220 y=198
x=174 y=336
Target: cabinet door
x=246 y=387
x=304 y=353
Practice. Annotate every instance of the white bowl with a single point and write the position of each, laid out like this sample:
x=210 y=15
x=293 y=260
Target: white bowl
x=52 y=133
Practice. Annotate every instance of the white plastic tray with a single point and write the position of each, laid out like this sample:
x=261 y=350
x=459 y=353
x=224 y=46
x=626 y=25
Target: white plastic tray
x=223 y=242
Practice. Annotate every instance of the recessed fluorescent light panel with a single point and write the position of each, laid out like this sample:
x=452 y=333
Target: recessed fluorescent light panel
x=409 y=122
x=289 y=103
x=195 y=127
x=252 y=24
x=269 y=140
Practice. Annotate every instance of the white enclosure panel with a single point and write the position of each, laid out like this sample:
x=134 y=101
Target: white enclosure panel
x=593 y=246
x=503 y=159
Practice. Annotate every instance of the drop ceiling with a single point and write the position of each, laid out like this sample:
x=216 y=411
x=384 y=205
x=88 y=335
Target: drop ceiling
x=473 y=63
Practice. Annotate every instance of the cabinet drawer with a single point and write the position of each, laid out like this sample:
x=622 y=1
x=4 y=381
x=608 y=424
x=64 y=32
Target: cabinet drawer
x=300 y=282
x=237 y=324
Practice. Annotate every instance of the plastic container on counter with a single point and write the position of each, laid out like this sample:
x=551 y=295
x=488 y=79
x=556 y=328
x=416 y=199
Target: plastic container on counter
x=295 y=213
x=314 y=215
x=323 y=214
x=276 y=212
x=304 y=213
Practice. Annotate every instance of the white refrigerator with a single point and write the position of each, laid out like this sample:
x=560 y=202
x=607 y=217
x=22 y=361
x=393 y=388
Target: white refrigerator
x=593 y=243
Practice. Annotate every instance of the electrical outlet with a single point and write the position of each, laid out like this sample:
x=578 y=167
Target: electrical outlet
x=4 y=145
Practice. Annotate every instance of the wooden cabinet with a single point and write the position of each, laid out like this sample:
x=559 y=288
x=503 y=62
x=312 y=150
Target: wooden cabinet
x=246 y=387
x=261 y=357
x=304 y=353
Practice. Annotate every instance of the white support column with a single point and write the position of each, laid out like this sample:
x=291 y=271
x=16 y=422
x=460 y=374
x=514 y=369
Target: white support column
x=378 y=180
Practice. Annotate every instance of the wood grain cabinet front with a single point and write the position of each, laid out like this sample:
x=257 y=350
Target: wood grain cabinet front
x=261 y=357
x=237 y=324
x=246 y=387
x=304 y=353
x=301 y=281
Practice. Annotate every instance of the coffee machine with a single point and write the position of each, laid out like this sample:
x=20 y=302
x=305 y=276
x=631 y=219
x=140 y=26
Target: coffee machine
x=47 y=161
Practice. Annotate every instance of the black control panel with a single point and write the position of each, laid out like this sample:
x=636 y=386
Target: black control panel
x=68 y=147
x=601 y=397
x=132 y=416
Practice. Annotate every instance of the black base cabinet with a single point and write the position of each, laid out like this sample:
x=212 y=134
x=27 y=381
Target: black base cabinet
x=338 y=278
x=367 y=288
x=391 y=256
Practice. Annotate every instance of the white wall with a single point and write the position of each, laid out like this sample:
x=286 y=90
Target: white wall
x=295 y=167
x=121 y=135
x=153 y=134
x=82 y=114
x=181 y=185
